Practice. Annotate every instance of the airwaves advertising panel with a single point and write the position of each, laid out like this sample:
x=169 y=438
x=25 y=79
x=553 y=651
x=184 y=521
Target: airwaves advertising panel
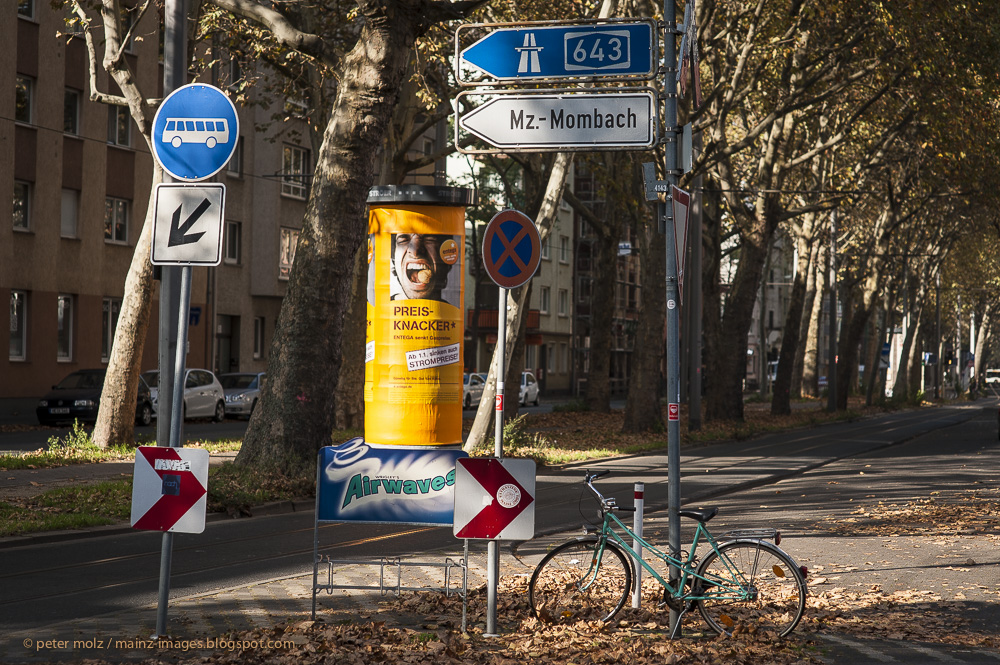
x=392 y=484
x=415 y=327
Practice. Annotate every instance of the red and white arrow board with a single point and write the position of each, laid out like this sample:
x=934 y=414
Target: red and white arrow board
x=494 y=499
x=169 y=489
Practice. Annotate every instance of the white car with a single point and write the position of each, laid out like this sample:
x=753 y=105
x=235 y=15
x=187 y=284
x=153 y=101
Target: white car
x=529 y=389
x=472 y=389
x=203 y=394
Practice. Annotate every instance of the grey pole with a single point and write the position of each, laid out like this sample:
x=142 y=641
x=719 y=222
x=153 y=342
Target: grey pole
x=174 y=71
x=673 y=318
x=492 y=550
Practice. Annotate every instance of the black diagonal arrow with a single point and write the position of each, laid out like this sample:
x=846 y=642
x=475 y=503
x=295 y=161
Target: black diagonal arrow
x=178 y=231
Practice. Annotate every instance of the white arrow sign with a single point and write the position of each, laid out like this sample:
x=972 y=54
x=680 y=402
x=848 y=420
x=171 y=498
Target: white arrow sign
x=187 y=224
x=624 y=120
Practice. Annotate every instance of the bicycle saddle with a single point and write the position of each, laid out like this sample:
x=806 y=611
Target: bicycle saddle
x=700 y=514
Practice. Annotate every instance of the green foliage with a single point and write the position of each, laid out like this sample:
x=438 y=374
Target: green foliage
x=68 y=508
x=235 y=489
x=75 y=447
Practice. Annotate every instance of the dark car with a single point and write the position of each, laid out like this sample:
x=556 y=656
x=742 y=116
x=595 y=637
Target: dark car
x=78 y=396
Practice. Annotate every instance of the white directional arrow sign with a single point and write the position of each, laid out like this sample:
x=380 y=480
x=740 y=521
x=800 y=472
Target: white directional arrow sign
x=557 y=120
x=187 y=224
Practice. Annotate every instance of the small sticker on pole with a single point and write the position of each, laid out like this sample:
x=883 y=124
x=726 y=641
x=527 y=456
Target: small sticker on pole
x=673 y=412
x=499 y=403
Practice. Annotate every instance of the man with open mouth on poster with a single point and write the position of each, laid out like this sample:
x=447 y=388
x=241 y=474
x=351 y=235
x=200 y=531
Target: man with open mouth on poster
x=421 y=263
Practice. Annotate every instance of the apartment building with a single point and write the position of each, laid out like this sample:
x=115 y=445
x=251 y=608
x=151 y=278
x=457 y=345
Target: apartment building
x=79 y=176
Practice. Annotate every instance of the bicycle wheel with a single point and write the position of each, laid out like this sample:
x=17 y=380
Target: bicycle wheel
x=751 y=584
x=570 y=584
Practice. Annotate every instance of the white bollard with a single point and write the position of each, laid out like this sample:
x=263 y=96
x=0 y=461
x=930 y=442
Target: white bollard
x=637 y=528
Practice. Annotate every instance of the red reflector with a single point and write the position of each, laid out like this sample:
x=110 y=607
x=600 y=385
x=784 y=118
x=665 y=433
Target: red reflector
x=805 y=572
x=777 y=537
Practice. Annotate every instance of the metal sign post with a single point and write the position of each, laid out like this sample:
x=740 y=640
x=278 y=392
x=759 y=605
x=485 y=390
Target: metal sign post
x=195 y=132
x=511 y=252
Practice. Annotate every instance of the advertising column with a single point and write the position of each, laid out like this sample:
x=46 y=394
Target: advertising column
x=415 y=327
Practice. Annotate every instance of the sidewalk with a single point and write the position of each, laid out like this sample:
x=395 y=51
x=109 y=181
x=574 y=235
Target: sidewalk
x=805 y=494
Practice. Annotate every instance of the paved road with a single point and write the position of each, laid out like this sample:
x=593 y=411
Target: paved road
x=47 y=585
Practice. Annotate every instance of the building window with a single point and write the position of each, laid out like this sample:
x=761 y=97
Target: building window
x=26 y=8
x=70 y=213
x=294 y=171
x=71 y=111
x=545 y=249
x=545 y=297
x=23 y=92
x=550 y=360
x=119 y=125
x=18 y=325
x=235 y=165
x=234 y=240
x=64 y=328
x=109 y=323
x=563 y=357
x=116 y=220
x=563 y=302
x=289 y=241
x=258 y=337
x=22 y=205
x=564 y=249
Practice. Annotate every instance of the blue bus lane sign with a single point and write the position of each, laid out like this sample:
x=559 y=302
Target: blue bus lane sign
x=195 y=132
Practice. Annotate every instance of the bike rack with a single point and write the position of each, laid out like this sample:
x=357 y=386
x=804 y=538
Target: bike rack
x=397 y=565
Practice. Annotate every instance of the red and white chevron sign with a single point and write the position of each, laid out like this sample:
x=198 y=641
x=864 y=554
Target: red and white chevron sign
x=169 y=489
x=494 y=499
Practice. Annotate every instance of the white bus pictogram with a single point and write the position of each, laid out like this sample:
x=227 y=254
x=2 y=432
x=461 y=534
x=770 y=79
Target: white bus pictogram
x=210 y=131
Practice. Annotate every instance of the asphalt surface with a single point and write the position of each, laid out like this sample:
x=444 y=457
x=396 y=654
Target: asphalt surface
x=255 y=572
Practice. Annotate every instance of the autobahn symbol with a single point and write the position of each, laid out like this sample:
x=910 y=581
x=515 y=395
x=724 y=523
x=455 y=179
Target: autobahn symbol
x=511 y=249
x=494 y=499
x=187 y=224
x=169 y=489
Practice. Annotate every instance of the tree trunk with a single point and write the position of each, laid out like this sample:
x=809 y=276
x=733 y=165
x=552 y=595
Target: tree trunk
x=116 y=415
x=724 y=397
x=711 y=282
x=602 y=311
x=804 y=375
x=544 y=219
x=297 y=410
x=643 y=411
x=350 y=402
x=781 y=401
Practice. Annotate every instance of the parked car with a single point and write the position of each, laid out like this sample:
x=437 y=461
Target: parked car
x=529 y=389
x=472 y=389
x=242 y=391
x=203 y=394
x=78 y=397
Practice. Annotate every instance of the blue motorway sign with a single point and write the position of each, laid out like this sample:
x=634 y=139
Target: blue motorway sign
x=533 y=52
x=195 y=132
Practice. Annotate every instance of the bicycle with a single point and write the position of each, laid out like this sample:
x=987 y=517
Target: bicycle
x=743 y=579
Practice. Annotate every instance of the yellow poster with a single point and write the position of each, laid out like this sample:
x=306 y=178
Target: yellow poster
x=413 y=359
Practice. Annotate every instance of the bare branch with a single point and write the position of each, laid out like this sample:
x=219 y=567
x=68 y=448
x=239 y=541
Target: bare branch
x=283 y=30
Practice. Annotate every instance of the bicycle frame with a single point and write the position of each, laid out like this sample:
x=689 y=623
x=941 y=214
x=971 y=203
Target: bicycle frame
x=734 y=588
